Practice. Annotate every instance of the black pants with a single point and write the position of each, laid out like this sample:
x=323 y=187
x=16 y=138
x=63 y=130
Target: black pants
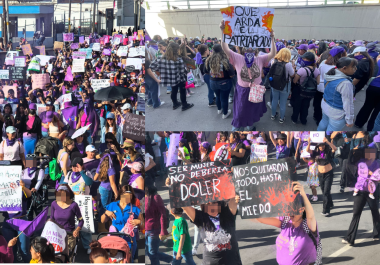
x=182 y=92
x=371 y=105
x=359 y=203
x=325 y=182
x=300 y=106
x=317 y=106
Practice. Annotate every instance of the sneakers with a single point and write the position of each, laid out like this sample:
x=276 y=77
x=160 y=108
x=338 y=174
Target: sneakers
x=188 y=95
x=269 y=104
x=162 y=103
x=219 y=111
x=282 y=120
x=228 y=114
x=150 y=106
x=289 y=105
x=194 y=251
x=192 y=92
x=189 y=106
x=213 y=104
x=168 y=92
x=177 y=106
x=273 y=117
x=371 y=196
x=325 y=214
x=344 y=241
x=341 y=189
x=314 y=198
x=230 y=100
x=89 y=251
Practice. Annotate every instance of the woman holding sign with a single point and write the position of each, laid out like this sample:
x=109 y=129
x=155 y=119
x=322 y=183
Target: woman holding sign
x=248 y=68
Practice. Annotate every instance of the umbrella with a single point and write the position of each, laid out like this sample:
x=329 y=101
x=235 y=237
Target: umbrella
x=80 y=131
x=113 y=93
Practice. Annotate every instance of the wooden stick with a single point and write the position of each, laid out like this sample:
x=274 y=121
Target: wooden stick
x=20 y=234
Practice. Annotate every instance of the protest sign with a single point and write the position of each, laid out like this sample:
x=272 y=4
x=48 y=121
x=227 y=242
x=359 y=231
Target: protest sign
x=136 y=51
x=247 y=26
x=265 y=189
x=140 y=33
x=81 y=39
x=117 y=39
x=74 y=46
x=35 y=64
x=259 y=153
x=88 y=52
x=17 y=73
x=26 y=49
x=107 y=52
x=92 y=166
x=134 y=127
x=122 y=51
x=20 y=61
x=85 y=205
x=58 y=45
x=172 y=153
x=44 y=59
x=189 y=63
x=106 y=39
x=136 y=62
x=78 y=65
x=4 y=74
x=101 y=41
x=317 y=137
x=200 y=183
x=40 y=80
x=304 y=153
x=96 y=47
x=10 y=189
x=79 y=55
x=98 y=84
x=68 y=37
x=220 y=153
x=66 y=98
x=40 y=108
x=10 y=57
x=55 y=235
x=11 y=88
x=42 y=49
x=69 y=74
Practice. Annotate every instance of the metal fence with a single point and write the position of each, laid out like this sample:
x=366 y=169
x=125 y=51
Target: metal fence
x=202 y=4
x=62 y=26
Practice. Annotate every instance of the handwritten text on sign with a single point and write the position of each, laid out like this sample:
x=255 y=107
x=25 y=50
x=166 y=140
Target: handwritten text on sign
x=317 y=137
x=98 y=84
x=259 y=153
x=4 y=74
x=134 y=127
x=40 y=80
x=265 y=189
x=247 y=26
x=85 y=205
x=10 y=189
x=55 y=235
x=200 y=183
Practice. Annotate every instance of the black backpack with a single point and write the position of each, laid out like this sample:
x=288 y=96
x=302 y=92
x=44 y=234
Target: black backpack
x=277 y=76
x=309 y=86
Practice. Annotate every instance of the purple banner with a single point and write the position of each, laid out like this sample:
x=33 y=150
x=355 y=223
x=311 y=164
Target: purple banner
x=81 y=39
x=68 y=36
x=29 y=227
x=74 y=46
x=70 y=115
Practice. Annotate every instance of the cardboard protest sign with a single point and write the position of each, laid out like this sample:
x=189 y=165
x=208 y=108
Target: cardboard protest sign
x=17 y=73
x=247 y=26
x=78 y=65
x=79 y=55
x=136 y=51
x=85 y=205
x=6 y=90
x=189 y=63
x=44 y=59
x=96 y=47
x=20 y=61
x=26 y=49
x=122 y=51
x=221 y=152
x=265 y=189
x=42 y=49
x=134 y=127
x=98 y=84
x=88 y=52
x=200 y=183
x=317 y=137
x=4 y=74
x=58 y=45
x=81 y=39
x=40 y=80
x=74 y=46
x=259 y=153
x=136 y=62
x=55 y=235
x=68 y=37
x=10 y=189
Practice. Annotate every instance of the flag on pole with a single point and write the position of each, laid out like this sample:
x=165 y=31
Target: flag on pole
x=70 y=116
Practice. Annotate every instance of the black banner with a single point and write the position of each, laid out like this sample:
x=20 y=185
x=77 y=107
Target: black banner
x=134 y=127
x=266 y=190
x=17 y=73
x=200 y=183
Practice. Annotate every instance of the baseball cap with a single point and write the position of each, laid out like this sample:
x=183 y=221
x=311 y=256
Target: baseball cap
x=336 y=50
x=358 y=43
x=302 y=47
x=359 y=49
x=126 y=106
x=33 y=106
x=10 y=129
x=90 y=148
x=136 y=166
x=77 y=160
x=309 y=55
x=110 y=115
x=312 y=46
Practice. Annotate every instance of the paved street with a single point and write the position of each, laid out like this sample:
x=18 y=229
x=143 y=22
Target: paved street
x=257 y=241
x=203 y=118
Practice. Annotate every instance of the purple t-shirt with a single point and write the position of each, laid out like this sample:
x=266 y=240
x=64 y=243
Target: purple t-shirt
x=107 y=184
x=44 y=119
x=294 y=245
x=66 y=217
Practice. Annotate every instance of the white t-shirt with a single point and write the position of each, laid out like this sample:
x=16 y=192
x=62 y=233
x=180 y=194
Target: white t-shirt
x=147 y=159
x=323 y=68
x=119 y=257
x=12 y=153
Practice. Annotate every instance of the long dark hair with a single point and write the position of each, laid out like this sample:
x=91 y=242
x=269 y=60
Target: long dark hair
x=322 y=48
x=112 y=137
x=371 y=63
x=342 y=62
x=125 y=188
x=40 y=245
x=150 y=190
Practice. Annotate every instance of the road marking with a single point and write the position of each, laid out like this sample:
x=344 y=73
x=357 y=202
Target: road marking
x=163 y=193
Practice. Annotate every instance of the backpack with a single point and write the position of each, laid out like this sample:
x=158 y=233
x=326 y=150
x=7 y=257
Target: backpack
x=309 y=86
x=318 y=246
x=55 y=171
x=277 y=76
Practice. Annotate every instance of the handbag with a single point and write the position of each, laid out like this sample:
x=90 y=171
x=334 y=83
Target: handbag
x=256 y=92
x=198 y=77
x=190 y=78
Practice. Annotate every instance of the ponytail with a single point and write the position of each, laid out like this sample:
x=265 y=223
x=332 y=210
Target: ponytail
x=342 y=62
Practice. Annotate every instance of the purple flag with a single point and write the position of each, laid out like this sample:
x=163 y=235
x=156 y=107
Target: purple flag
x=81 y=39
x=29 y=227
x=147 y=37
x=69 y=74
x=70 y=115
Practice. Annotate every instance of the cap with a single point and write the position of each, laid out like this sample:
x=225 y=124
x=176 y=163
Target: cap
x=371 y=45
x=77 y=160
x=10 y=129
x=279 y=45
x=110 y=115
x=90 y=148
x=358 y=43
x=302 y=47
x=312 y=46
x=336 y=50
x=281 y=136
x=126 y=106
x=309 y=55
x=33 y=106
x=332 y=44
x=136 y=166
x=205 y=145
x=317 y=42
x=183 y=140
x=359 y=49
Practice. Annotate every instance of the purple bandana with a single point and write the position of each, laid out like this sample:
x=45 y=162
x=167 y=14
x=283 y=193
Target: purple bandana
x=154 y=47
x=249 y=58
x=359 y=57
x=33 y=169
x=75 y=177
x=306 y=63
x=80 y=147
x=281 y=148
x=11 y=142
x=134 y=177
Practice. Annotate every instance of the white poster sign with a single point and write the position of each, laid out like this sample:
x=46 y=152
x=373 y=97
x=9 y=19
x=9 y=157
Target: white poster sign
x=136 y=62
x=55 y=235
x=96 y=47
x=317 y=137
x=85 y=205
x=4 y=74
x=98 y=84
x=20 y=61
x=10 y=189
x=78 y=65
x=122 y=51
x=259 y=153
x=44 y=59
x=136 y=51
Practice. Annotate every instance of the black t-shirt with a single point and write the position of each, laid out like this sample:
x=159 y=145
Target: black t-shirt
x=323 y=158
x=223 y=74
x=190 y=54
x=202 y=66
x=237 y=161
x=362 y=73
x=219 y=237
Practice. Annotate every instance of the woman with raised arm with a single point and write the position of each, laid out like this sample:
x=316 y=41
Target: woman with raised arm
x=248 y=68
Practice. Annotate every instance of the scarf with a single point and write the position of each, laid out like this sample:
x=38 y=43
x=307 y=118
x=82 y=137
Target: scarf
x=233 y=146
x=75 y=176
x=33 y=169
x=134 y=177
x=300 y=61
x=80 y=147
x=281 y=148
x=11 y=142
x=154 y=47
x=249 y=59
x=198 y=58
x=359 y=57
x=307 y=63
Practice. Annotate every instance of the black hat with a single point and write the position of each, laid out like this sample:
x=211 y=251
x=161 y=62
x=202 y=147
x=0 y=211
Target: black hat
x=77 y=160
x=309 y=55
x=281 y=136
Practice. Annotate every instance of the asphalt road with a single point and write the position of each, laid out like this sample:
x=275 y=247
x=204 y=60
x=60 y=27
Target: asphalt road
x=257 y=241
x=203 y=118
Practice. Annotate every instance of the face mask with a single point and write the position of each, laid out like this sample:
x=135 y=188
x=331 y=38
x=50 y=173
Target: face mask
x=306 y=63
x=359 y=57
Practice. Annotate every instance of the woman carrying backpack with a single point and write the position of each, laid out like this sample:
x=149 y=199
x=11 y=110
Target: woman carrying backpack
x=280 y=76
x=338 y=103
x=306 y=81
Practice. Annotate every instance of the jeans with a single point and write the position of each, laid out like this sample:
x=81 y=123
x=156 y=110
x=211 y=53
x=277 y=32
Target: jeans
x=152 y=242
x=182 y=92
x=281 y=96
x=187 y=257
x=325 y=182
x=211 y=94
x=234 y=82
x=86 y=239
x=152 y=89
x=89 y=137
x=242 y=129
x=102 y=122
x=376 y=127
x=300 y=106
x=22 y=241
x=197 y=237
x=327 y=124
x=222 y=90
x=105 y=199
x=168 y=88
x=370 y=108
x=163 y=168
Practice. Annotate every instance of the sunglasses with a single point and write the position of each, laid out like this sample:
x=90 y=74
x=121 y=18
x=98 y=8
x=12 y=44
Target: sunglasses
x=109 y=142
x=109 y=119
